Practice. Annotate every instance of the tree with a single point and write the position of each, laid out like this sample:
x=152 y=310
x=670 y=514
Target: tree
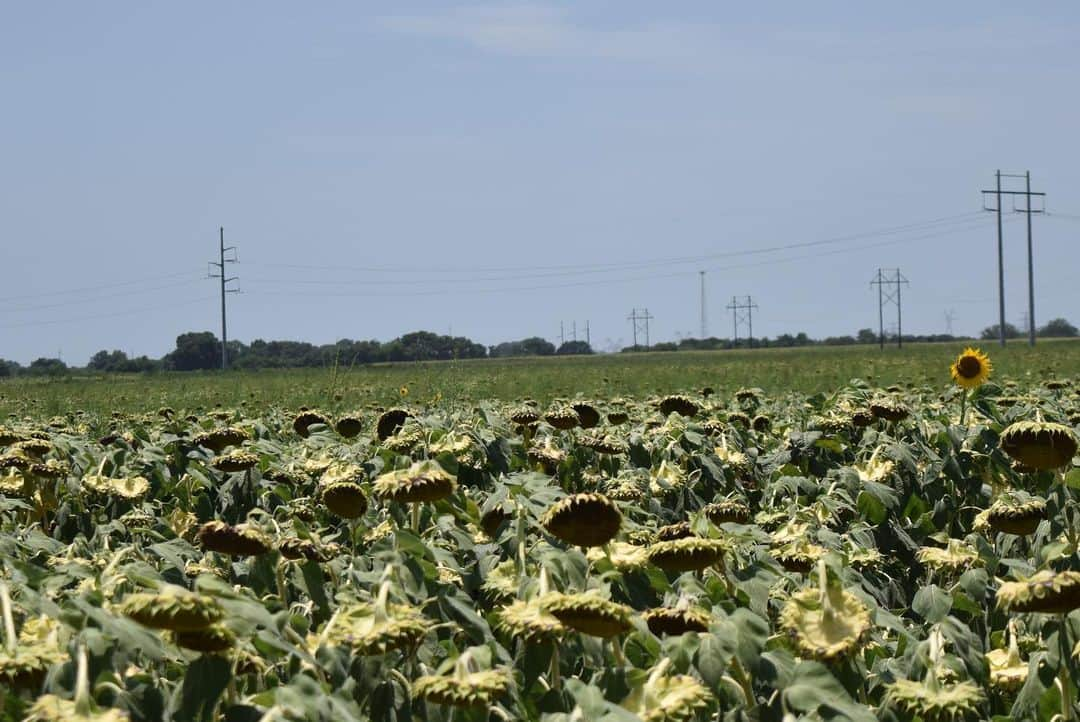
x=991 y=332
x=1058 y=328
x=195 y=351
x=571 y=348
x=48 y=367
x=8 y=368
x=866 y=335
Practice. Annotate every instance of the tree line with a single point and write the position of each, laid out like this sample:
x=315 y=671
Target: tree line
x=196 y=351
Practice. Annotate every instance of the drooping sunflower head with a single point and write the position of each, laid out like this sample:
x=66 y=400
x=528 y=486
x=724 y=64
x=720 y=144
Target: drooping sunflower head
x=173 y=608
x=588 y=613
x=586 y=520
x=687 y=554
x=588 y=415
x=1013 y=513
x=677 y=404
x=676 y=620
x=131 y=488
x=341 y=490
x=215 y=638
x=825 y=624
x=464 y=683
x=303 y=421
x=530 y=621
x=1039 y=444
x=935 y=702
x=240 y=540
x=667 y=697
x=349 y=426
x=971 y=369
x=423 y=481
x=1045 y=591
x=236 y=461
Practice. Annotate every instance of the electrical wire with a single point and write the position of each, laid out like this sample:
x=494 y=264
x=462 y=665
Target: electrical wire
x=100 y=316
x=103 y=287
x=460 y=288
x=155 y=289
x=575 y=269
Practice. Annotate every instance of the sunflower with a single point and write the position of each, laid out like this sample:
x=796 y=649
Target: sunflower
x=971 y=369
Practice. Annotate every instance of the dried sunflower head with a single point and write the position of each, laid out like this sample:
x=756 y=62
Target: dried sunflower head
x=1045 y=591
x=1008 y=671
x=215 y=638
x=933 y=701
x=562 y=417
x=825 y=623
x=954 y=558
x=680 y=405
x=527 y=619
x=173 y=608
x=624 y=557
x=349 y=426
x=588 y=613
x=240 y=540
x=1039 y=444
x=687 y=554
x=341 y=490
x=220 y=439
x=588 y=416
x=1013 y=513
x=467 y=685
x=235 y=461
x=586 y=520
x=676 y=620
x=423 y=481
x=303 y=421
x=390 y=422
x=728 y=511
x=889 y=409
x=374 y=628
x=128 y=488
x=667 y=698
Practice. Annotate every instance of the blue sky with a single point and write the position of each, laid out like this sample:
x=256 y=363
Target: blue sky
x=496 y=168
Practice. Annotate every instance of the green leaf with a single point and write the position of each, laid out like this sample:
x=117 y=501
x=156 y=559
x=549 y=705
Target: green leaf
x=205 y=681
x=1072 y=479
x=932 y=603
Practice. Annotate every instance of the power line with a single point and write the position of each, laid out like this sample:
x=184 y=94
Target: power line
x=579 y=269
x=704 y=334
x=885 y=297
x=80 y=302
x=101 y=316
x=103 y=287
x=462 y=286
x=742 y=312
x=640 y=322
x=225 y=280
x=997 y=192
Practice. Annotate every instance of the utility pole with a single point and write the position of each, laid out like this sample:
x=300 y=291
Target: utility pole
x=640 y=323
x=885 y=297
x=704 y=331
x=950 y=316
x=225 y=280
x=997 y=192
x=588 y=338
x=574 y=332
x=743 y=312
x=562 y=334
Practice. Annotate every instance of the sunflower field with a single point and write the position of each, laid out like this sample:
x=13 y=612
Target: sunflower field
x=899 y=553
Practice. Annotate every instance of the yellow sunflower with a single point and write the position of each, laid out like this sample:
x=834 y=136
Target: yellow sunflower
x=971 y=369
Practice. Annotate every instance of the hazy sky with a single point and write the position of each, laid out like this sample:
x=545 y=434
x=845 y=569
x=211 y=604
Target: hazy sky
x=496 y=168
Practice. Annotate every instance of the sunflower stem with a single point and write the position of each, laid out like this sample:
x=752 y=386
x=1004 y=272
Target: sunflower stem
x=743 y=680
x=82 y=684
x=553 y=671
x=963 y=408
x=10 y=640
x=416 y=518
x=1063 y=670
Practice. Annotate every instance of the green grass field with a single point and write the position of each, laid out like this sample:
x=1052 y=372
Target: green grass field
x=805 y=370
